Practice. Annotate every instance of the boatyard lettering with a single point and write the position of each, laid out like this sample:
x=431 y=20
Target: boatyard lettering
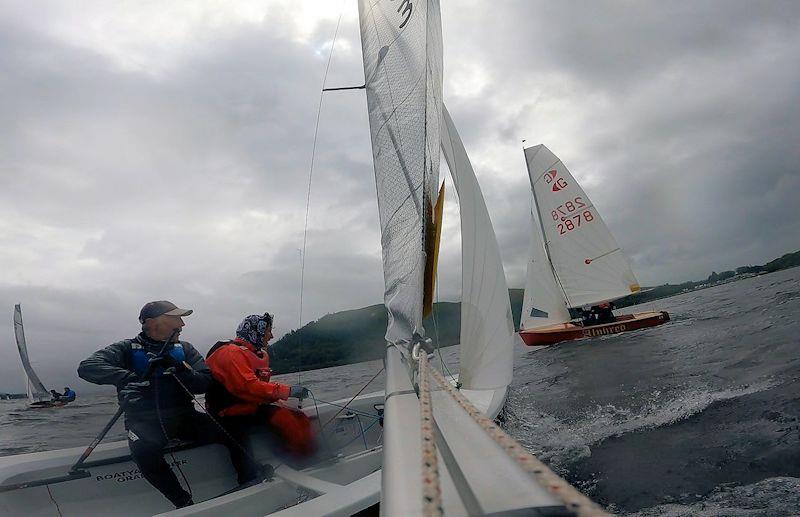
x=604 y=331
x=129 y=475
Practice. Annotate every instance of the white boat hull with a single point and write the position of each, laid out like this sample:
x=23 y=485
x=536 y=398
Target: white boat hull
x=115 y=486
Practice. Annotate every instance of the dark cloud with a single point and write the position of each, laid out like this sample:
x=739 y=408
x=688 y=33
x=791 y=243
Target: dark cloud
x=148 y=157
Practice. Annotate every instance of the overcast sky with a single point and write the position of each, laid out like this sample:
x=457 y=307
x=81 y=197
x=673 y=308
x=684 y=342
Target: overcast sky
x=153 y=150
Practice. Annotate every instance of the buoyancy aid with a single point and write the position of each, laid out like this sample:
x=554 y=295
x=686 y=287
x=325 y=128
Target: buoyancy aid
x=218 y=398
x=170 y=394
x=140 y=362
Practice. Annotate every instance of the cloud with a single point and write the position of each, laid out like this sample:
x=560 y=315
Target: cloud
x=150 y=152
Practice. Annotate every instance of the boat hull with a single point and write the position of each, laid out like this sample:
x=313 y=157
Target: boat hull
x=552 y=334
x=344 y=479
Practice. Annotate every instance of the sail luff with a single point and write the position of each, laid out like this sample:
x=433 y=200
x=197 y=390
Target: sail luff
x=35 y=388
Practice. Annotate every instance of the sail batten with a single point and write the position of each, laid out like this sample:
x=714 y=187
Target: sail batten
x=586 y=260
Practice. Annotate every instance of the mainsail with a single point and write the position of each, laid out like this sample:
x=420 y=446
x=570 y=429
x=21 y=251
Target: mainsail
x=587 y=261
x=402 y=54
x=35 y=389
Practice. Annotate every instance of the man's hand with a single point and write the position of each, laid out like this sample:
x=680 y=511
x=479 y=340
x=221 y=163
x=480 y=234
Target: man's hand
x=167 y=361
x=135 y=392
x=298 y=392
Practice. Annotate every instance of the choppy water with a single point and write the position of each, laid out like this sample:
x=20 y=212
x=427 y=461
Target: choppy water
x=700 y=416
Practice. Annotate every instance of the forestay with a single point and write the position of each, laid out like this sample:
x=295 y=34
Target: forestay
x=487 y=330
x=587 y=260
x=35 y=388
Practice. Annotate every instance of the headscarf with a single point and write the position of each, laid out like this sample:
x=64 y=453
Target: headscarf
x=254 y=327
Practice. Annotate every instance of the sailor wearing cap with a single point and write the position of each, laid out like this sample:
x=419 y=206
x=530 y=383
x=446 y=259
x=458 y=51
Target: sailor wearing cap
x=155 y=375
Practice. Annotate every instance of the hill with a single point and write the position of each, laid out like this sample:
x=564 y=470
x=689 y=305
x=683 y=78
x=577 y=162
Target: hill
x=358 y=335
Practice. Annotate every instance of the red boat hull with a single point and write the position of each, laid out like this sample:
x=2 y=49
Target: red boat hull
x=553 y=334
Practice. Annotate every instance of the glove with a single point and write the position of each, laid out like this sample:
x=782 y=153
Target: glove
x=298 y=392
x=135 y=392
x=166 y=361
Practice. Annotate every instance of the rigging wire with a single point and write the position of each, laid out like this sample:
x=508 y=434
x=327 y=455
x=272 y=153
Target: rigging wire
x=308 y=197
x=353 y=398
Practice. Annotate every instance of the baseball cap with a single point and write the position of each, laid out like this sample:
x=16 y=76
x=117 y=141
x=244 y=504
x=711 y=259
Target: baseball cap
x=159 y=308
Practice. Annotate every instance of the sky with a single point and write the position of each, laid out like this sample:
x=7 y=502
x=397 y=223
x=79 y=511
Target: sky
x=153 y=150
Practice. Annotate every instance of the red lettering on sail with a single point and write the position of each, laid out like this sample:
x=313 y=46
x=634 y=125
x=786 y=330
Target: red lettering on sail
x=560 y=183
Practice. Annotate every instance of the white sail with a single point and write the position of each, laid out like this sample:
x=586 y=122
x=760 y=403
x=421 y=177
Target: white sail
x=487 y=330
x=587 y=261
x=35 y=389
x=543 y=301
x=401 y=45
x=402 y=52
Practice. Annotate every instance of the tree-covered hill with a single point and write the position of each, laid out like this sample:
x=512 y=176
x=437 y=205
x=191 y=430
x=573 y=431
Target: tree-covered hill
x=357 y=335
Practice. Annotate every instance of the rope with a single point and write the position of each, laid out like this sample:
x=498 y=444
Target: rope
x=58 y=508
x=352 y=399
x=166 y=435
x=308 y=198
x=566 y=493
x=220 y=426
x=431 y=488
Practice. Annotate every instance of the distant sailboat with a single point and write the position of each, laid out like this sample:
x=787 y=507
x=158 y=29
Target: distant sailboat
x=38 y=395
x=574 y=260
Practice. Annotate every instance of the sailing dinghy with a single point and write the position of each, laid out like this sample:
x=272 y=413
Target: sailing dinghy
x=428 y=446
x=574 y=260
x=38 y=394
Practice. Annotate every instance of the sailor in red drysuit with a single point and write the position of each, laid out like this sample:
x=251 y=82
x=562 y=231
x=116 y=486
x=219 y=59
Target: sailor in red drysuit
x=242 y=395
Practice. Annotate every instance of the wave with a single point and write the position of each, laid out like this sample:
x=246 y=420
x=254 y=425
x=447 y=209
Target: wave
x=561 y=443
x=767 y=498
x=782 y=297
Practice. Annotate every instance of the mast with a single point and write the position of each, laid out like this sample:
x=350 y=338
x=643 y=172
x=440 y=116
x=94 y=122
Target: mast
x=544 y=235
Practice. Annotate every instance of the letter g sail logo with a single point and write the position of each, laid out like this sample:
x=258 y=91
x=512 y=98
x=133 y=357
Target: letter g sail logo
x=550 y=178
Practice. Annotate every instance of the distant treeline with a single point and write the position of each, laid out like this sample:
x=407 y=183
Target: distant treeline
x=785 y=262
x=358 y=335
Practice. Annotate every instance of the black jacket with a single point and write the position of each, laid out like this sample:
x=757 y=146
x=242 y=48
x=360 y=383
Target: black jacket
x=113 y=365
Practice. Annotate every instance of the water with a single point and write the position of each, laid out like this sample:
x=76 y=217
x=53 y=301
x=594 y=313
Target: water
x=700 y=416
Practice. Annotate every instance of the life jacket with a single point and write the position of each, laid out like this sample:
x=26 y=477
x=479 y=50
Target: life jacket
x=170 y=393
x=140 y=362
x=218 y=397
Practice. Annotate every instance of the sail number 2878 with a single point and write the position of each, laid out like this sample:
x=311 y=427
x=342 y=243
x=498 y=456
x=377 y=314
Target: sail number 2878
x=571 y=214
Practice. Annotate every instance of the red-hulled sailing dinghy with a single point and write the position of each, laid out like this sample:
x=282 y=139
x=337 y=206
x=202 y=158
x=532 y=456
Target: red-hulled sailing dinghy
x=552 y=334
x=574 y=261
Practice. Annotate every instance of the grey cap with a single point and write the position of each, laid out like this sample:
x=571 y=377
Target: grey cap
x=160 y=308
